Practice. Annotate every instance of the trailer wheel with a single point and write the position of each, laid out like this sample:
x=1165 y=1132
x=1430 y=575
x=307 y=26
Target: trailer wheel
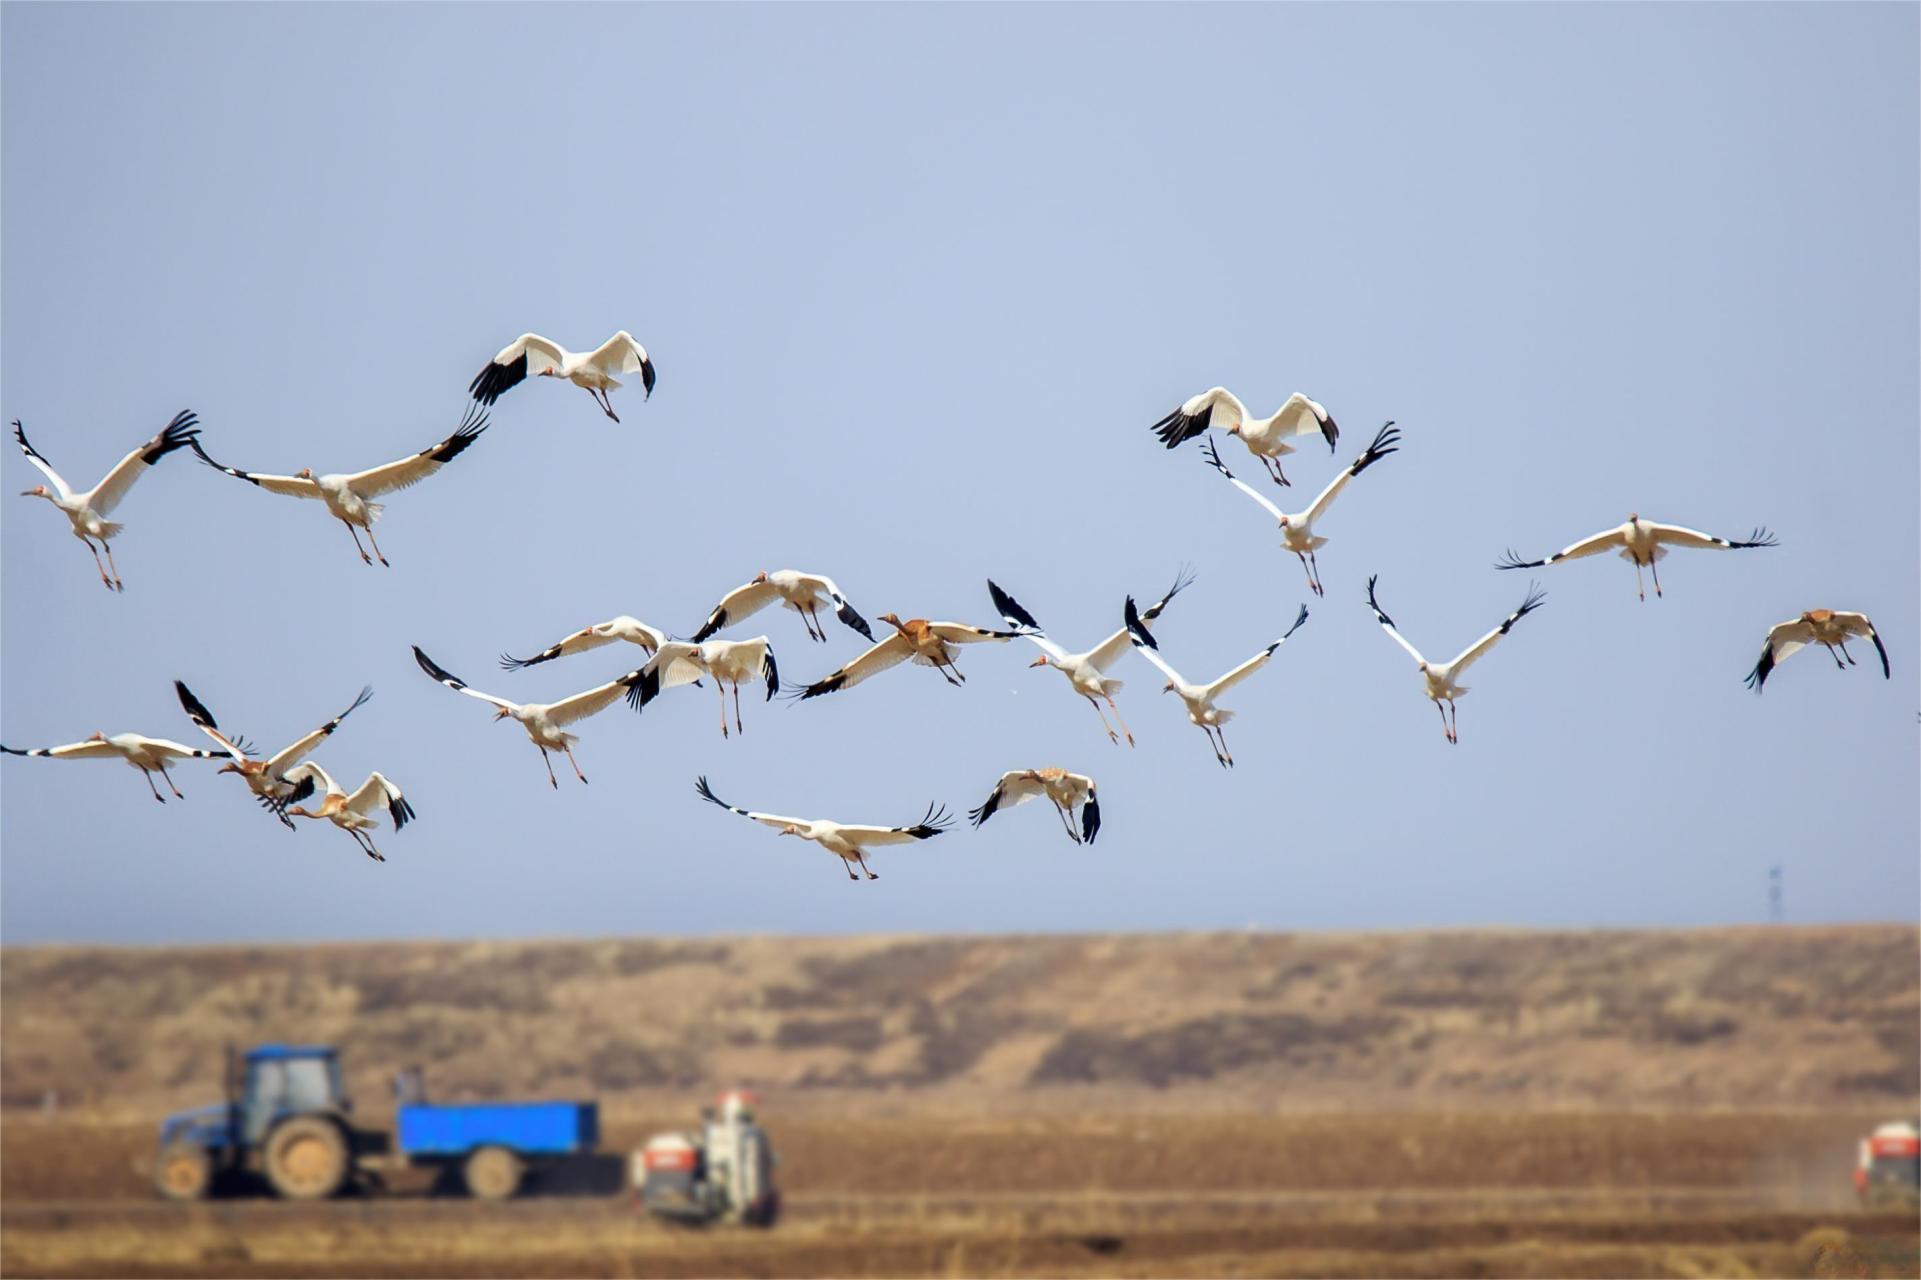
x=493 y=1173
x=185 y=1172
x=306 y=1158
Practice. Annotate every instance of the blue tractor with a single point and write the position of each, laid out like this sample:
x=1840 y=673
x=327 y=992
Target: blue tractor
x=287 y=1119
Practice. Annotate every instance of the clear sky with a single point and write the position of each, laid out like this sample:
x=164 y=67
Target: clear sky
x=917 y=281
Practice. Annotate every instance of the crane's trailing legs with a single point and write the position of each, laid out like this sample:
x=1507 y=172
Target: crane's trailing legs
x=599 y=397
x=548 y=761
x=871 y=873
x=738 y=726
x=1274 y=471
x=118 y=585
x=720 y=687
x=1112 y=737
x=148 y=775
x=573 y=762
x=1309 y=567
x=1067 y=822
x=1117 y=719
x=375 y=545
x=1654 y=567
x=356 y=537
x=101 y=567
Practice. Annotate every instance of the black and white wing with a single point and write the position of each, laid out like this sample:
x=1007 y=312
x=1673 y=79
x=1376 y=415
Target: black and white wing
x=1387 y=440
x=1677 y=536
x=41 y=464
x=301 y=746
x=177 y=434
x=291 y=486
x=621 y=354
x=1215 y=407
x=1785 y=639
x=1213 y=457
x=1256 y=662
x=1858 y=624
x=773 y=820
x=932 y=823
x=1387 y=623
x=412 y=470
x=1016 y=787
x=378 y=793
x=739 y=603
x=623 y=628
x=1143 y=640
x=1603 y=541
x=458 y=685
x=1300 y=416
x=1468 y=656
x=891 y=652
x=529 y=354
x=1105 y=654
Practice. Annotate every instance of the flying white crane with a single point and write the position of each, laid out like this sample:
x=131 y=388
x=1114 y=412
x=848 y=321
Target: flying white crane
x=349 y=495
x=1824 y=627
x=926 y=643
x=87 y=512
x=848 y=843
x=1265 y=438
x=1297 y=531
x=542 y=720
x=1067 y=791
x=353 y=813
x=804 y=593
x=266 y=777
x=1442 y=678
x=543 y=358
x=623 y=628
x=1644 y=543
x=1200 y=697
x=727 y=661
x=149 y=755
x=1087 y=672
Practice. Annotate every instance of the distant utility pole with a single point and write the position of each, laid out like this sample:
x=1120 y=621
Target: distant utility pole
x=1777 y=905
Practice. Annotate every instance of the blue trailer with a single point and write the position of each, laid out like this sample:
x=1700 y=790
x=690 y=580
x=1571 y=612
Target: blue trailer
x=492 y=1145
x=287 y=1120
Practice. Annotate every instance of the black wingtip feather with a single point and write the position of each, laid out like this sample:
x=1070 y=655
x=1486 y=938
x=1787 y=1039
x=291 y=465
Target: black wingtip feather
x=846 y=613
x=1011 y=611
x=1090 y=818
x=196 y=710
x=1131 y=617
x=771 y=673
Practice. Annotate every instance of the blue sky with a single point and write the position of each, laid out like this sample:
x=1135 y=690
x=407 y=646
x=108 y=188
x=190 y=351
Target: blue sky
x=917 y=280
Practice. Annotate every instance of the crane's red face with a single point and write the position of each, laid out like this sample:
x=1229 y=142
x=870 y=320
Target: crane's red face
x=1168 y=687
x=502 y=714
x=38 y=491
x=305 y=473
x=760 y=577
x=229 y=767
x=1038 y=662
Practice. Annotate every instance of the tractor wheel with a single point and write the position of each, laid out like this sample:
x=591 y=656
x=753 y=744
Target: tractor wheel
x=185 y=1172
x=306 y=1158
x=493 y=1173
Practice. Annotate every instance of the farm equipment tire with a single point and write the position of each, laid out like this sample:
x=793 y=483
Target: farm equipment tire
x=492 y=1173
x=185 y=1172
x=306 y=1158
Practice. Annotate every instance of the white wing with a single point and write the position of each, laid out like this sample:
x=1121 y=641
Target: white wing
x=41 y=464
x=1256 y=662
x=1215 y=407
x=1154 y=657
x=596 y=699
x=619 y=354
x=411 y=471
x=1789 y=638
x=676 y=663
x=961 y=633
x=168 y=747
x=739 y=603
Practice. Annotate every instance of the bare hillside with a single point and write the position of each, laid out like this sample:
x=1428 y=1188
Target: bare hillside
x=1748 y=1017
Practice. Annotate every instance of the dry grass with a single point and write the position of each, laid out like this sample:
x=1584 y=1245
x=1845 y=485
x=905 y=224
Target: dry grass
x=1826 y=1017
